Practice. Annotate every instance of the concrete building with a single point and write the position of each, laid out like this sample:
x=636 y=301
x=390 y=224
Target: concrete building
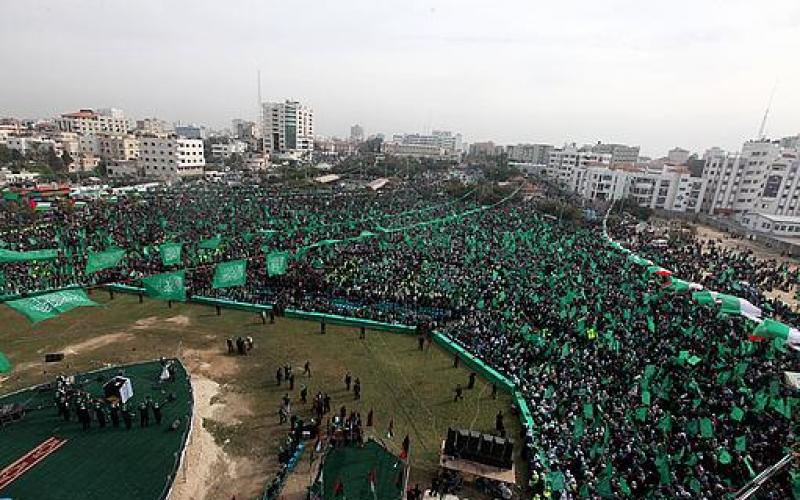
x=487 y=148
x=737 y=181
x=563 y=162
x=153 y=126
x=224 y=150
x=621 y=154
x=677 y=156
x=781 y=226
x=287 y=127
x=118 y=147
x=537 y=154
x=357 y=133
x=26 y=145
x=171 y=157
x=191 y=131
x=87 y=121
x=441 y=144
x=123 y=169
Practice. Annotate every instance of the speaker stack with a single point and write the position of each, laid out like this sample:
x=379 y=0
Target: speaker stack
x=486 y=449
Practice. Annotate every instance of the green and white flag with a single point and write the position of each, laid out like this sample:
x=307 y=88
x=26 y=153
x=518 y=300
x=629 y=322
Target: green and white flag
x=734 y=305
x=104 y=260
x=227 y=274
x=166 y=286
x=50 y=305
x=170 y=253
x=277 y=262
x=771 y=329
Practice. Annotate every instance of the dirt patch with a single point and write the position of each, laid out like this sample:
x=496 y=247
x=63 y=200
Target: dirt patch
x=154 y=322
x=209 y=363
x=705 y=233
x=97 y=343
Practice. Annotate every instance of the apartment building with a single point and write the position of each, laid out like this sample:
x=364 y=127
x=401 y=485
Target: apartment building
x=171 y=157
x=621 y=154
x=287 y=127
x=536 y=154
x=87 y=121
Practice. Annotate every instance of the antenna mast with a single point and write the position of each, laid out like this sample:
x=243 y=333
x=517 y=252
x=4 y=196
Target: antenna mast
x=766 y=112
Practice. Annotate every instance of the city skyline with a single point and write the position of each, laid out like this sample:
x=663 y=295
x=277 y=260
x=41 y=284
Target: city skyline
x=682 y=74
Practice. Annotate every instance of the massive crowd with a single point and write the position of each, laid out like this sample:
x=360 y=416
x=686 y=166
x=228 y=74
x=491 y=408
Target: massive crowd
x=635 y=390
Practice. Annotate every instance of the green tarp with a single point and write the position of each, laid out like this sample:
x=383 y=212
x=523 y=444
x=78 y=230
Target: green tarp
x=166 y=286
x=227 y=274
x=50 y=305
x=104 y=260
x=33 y=255
x=170 y=253
x=277 y=263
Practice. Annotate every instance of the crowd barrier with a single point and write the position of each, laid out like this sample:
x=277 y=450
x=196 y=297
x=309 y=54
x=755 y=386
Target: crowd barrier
x=474 y=363
x=334 y=319
x=15 y=296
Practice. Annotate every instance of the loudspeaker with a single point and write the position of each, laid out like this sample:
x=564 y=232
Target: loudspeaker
x=508 y=454
x=461 y=447
x=474 y=445
x=450 y=442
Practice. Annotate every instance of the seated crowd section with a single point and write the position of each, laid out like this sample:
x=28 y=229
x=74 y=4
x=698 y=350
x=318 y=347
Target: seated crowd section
x=635 y=389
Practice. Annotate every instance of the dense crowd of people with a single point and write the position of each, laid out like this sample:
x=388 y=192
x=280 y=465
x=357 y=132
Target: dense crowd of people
x=634 y=390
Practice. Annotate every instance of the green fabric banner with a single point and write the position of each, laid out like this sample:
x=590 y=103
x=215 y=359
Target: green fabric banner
x=170 y=253
x=33 y=255
x=104 y=260
x=50 y=305
x=166 y=286
x=227 y=274
x=5 y=364
x=277 y=262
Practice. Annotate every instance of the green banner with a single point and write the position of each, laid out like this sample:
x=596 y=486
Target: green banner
x=12 y=256
x=50 y=305
x=103 y=260
x=5 y=364
x=170 y=253
x=166 y=286
x=211 y=243
x=277 y=262
x=227 y=274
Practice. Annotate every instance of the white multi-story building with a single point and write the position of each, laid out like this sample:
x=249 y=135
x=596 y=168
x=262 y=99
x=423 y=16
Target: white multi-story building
x=563 y=162
x=736 y=182
x=153 y=126
x=171 y=157
x=357 y=133
x=224 y=150
x=87 y=121
x=677 y=156
x=32 y=144
x=287 y=127
x=674 y=189
x=440 y=144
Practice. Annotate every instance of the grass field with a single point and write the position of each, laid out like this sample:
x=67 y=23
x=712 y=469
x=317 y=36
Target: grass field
x=234 y=448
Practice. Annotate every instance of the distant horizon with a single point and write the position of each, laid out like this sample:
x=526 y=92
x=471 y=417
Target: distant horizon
x=684 y=73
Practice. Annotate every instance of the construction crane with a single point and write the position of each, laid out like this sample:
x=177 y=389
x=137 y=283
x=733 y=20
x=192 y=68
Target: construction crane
x=766 y=113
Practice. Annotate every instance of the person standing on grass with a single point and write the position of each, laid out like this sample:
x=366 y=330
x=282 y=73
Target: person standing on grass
x=471 y=384
x=357 y=388
x=291 y=381
x=459 y=393
x=303 y=393
x=279 y=376
x=307 y=369
x=348 y=379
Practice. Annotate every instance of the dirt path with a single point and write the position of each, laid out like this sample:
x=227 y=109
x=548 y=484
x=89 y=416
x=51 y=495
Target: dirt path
x=97 y=343
x=705 y=233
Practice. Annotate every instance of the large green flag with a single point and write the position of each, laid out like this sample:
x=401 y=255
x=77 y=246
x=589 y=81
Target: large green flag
x=211 y=243
x=5 y=364
x=50 y=305
x=33 y=255
x=277 y=263
x=166 y=286
x=170 y=253
x=227 y=274
x=103 y=260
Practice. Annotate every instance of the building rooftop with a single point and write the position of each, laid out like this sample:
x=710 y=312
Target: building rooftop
x=789 y=219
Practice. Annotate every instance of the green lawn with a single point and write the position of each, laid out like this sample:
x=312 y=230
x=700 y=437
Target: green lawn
x=399 y=382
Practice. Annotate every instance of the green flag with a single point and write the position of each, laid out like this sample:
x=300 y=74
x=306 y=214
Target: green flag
x=211 y=243
x=50 y=305
x=33 y=255
x=5 y=364
x=170 y=253
x=277 y=262
x=227 y=274
x=741 y=443
x=724 y=457
x=588 y=411
x=166 y=286
x=556 y=480
x=737 y=414
x=104 y=260
x=706 y=429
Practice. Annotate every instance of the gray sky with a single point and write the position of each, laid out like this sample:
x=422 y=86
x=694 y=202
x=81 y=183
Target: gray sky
x=694 y=73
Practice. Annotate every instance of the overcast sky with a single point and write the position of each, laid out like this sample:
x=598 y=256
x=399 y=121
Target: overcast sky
x=693 y=73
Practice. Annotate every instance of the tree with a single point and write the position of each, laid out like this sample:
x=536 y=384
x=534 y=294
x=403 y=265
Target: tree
x=53 y=161
x=67 y=159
